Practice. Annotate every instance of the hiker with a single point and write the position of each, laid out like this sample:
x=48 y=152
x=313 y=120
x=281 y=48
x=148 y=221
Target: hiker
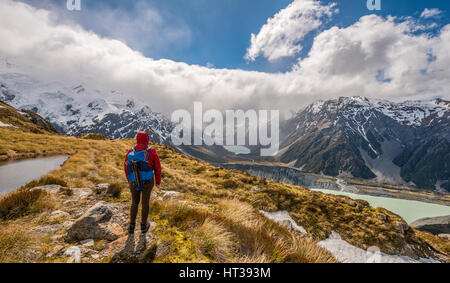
x=142 y=168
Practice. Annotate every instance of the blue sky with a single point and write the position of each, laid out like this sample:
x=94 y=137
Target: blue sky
x=219 y=30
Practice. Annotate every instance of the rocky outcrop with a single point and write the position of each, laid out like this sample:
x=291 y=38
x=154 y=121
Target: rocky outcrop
x=97 y=223
x=435 y=225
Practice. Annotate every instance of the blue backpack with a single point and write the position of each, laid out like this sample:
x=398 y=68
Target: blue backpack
x=138 y=171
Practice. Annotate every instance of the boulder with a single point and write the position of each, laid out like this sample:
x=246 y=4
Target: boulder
x=74 y=253
x=88 y=243
x=52 y=189
x=434 y=225
x=97 y=223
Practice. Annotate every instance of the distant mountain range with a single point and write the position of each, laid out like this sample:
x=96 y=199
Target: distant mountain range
x=78 y=109
x=406 y=143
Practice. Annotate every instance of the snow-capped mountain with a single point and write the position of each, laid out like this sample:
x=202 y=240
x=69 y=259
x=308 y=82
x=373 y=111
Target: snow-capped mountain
x=405 y=142
x=78 y=109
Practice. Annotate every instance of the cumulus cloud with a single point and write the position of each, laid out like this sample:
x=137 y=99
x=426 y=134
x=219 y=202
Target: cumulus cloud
x=281 y=35
x=352 y=57
x=342 y=62
x=430 y=13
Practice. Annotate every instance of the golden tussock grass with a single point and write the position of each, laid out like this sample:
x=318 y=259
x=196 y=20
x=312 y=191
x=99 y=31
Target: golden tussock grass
x=13 y=244
x=236 y=232
x=23 y=202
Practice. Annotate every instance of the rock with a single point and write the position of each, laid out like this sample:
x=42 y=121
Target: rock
x=81 y=193
x=67 y=224
x=45 y=231
x=435 y=225
x=353 y=204
x=96 y=223
x=55 y=251
x=283 y=218
x=74 y=253
x=58 y=214
x=52 y=189
x=169 y=195
x=95 y=256
x=87 y=243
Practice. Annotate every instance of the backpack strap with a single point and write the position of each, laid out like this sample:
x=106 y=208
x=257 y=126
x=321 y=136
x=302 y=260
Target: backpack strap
x=147 y=153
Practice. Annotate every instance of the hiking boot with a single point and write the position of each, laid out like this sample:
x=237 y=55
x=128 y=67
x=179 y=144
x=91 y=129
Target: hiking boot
x=131 y=228
x=145 y=227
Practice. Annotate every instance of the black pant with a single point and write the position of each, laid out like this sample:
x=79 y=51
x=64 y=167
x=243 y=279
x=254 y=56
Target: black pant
x=136 y=198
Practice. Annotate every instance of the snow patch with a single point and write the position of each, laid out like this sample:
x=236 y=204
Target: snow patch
x=382 y=166
x=6 y=125
x=283 y=218
x=346 y=253
x=316 y=107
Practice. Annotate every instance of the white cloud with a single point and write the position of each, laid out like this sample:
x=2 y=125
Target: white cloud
x=342 y=62
x=141 y=26
x=430 y=13
x=281 y=35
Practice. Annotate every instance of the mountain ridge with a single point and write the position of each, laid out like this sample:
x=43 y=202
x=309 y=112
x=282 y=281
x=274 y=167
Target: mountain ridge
x=370 y=139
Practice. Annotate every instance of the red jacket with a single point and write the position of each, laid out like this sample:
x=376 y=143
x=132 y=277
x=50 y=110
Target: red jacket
x=153 y=159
